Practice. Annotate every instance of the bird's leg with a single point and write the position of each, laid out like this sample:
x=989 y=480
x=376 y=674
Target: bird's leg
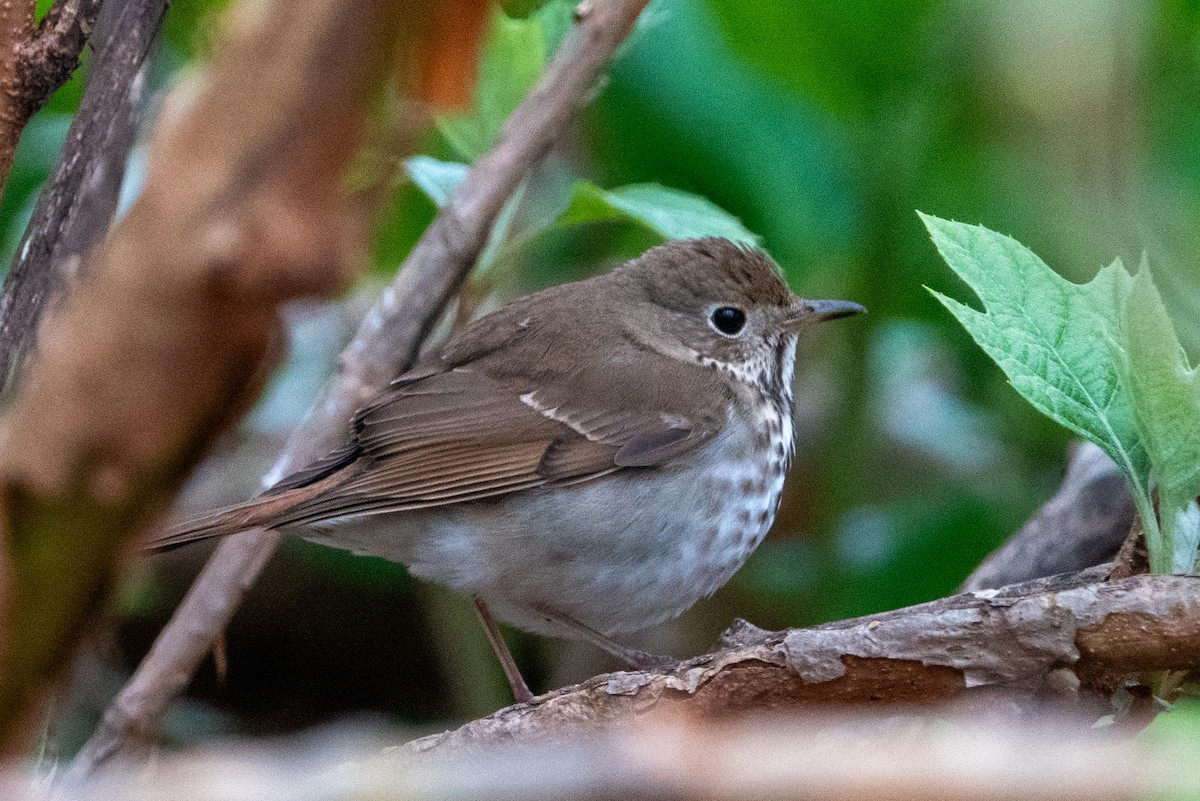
x=511 y=672
x=639 y=660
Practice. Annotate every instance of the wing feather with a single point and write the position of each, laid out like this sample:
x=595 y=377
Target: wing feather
x=461 y=435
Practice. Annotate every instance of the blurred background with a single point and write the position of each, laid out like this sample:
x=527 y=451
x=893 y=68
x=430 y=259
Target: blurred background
x=1068 y=124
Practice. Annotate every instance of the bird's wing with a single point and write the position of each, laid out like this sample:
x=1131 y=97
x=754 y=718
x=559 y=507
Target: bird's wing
x=462 y=435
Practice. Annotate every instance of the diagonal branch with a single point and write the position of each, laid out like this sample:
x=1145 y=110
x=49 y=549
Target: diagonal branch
x=51 y=56
x=386 y=344
x=1083 y=525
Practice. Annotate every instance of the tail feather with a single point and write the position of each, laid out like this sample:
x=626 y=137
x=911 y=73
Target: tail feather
x=220 y=523
x=266 y=511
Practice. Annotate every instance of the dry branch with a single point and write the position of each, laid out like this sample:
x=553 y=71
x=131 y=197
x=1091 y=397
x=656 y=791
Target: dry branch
x=169 y=331
x=1083 y=525
x=385 y=344
x=77 y=204
x=1073 y=637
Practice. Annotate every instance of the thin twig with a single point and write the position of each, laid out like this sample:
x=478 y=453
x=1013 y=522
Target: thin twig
x=386 y=343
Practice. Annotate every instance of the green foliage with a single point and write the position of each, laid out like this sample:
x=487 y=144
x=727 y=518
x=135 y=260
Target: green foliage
x=663 y=212
x=437 y=179
x=1165 y=394
x=514 y=55
x=1047 y=334
x=1101 y=359
x=846 y=55
x=669 y=213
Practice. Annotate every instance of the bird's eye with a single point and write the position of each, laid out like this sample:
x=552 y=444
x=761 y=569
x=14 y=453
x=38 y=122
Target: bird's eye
x=728 y=320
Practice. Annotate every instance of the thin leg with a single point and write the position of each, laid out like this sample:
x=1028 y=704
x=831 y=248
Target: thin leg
x=515 y=680
x=639 y=660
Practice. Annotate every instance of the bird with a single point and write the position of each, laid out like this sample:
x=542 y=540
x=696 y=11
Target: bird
x=587 y=461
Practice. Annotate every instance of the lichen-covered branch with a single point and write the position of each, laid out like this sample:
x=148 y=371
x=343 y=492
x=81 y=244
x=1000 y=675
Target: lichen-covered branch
x=1071 y=636
x=169 y=332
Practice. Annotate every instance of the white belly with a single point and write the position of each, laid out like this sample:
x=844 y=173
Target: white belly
x=618 y=553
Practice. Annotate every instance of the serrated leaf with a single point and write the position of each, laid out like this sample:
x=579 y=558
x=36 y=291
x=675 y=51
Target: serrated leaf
x=1165 y=391
x=1048 y=335
x=437 y=179
x=514 y=55
x=670 y=213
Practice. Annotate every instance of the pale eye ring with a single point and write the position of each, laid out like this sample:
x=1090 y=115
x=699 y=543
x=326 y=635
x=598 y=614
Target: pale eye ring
x=728 y=320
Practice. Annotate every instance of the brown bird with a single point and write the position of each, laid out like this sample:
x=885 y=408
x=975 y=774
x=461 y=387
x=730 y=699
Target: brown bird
x=589 y=460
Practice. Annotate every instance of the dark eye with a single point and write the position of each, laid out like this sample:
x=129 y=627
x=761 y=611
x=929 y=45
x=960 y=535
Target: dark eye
x=728 y=320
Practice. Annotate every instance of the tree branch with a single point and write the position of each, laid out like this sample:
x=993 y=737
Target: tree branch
x=385 y=345
x=1066 y=636
x=34 y=64
x=1084 y=524
x=76 y=206
x=170 y=331
x=51 y=56
x=16 y=27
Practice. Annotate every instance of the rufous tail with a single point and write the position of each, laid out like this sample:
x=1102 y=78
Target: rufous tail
x=220 y=523
x=271 y=509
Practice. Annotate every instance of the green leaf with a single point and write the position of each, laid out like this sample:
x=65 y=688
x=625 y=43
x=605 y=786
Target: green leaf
x=1052 y=339
x=1050 y=336
x=1165 y=391
x=514 y=56
x=553 y=201
x=670 y=213
x=437 y=179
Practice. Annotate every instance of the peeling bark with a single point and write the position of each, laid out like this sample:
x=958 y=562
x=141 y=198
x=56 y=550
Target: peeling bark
x=1067 y=636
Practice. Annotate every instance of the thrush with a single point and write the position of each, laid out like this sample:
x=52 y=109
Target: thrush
x=587 y=461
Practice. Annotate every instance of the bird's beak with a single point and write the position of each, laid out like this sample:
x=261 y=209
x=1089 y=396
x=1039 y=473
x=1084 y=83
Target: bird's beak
x=803 y=312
